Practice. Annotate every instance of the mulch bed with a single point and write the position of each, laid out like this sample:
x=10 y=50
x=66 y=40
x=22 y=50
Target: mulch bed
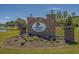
x=18 y=42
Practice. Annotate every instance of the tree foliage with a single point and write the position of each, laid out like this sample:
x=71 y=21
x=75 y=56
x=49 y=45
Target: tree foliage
x=20 y=23
x=62 y=17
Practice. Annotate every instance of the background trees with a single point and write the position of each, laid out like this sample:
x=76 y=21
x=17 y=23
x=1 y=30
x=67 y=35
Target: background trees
x=62 y=16
x=10 y=23
x=60 y=19
x=16 y=23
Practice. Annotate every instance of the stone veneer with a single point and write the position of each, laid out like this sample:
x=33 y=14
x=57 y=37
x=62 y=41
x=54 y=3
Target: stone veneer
x=49 y=22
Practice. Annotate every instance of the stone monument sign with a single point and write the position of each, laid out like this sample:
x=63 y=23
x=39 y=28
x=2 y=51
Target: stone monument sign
x=43 y=27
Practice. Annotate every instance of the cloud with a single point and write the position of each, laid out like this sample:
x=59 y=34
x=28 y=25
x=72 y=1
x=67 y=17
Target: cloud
x=4 y=19
x=7 y=17
x=54 y=8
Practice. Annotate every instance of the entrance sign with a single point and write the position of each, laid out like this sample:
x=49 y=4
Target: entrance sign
x=39 y=27
x=42 y=27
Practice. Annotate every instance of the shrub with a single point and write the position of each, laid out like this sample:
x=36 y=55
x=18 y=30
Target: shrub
x=26 y=38
x=15 y=40
x=22 y=43
x=36 y=38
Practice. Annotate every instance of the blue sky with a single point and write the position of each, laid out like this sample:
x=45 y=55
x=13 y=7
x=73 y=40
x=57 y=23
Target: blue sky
x=12 y=11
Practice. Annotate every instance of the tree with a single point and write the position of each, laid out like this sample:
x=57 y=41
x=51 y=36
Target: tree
x=20 y=23
x=59 y=14
x=10 y=23
x=65 y=14
x=73 y=15
x=69 y=21
x=76 y=22
x=60 y=20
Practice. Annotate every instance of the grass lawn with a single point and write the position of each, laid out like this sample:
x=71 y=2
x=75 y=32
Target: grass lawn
x=70 y=49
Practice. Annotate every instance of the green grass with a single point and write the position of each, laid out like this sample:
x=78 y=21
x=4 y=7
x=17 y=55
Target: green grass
x=8 y=28
x=65 y=50
x=5 y=35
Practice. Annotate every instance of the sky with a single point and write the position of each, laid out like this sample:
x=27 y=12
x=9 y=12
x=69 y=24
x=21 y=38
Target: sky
x=10 y=12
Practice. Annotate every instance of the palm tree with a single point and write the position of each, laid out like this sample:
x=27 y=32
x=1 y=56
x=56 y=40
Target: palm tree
x=65 y=14
x=21 y=24
x=59 y=14
x=73 y=14
x=69 y=20
x=59 y=17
